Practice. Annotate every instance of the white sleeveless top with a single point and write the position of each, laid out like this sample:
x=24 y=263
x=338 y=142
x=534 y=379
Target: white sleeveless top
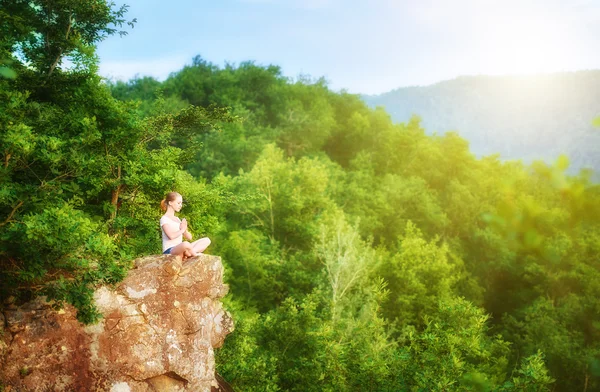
x=166 y=242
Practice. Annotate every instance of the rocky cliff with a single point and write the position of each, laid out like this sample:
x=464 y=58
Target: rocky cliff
x=158 y=333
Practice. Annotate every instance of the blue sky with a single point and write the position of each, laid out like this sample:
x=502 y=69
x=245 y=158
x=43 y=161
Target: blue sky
x=361 y=46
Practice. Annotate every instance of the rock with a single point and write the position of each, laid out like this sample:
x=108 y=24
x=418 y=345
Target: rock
x=158 y=333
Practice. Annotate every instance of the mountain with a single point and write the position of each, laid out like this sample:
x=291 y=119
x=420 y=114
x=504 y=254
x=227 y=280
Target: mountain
x=519 y=117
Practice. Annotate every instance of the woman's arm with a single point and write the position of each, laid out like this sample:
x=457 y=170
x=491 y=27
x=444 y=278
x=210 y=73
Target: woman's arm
x=171 y=232
x=187 y=235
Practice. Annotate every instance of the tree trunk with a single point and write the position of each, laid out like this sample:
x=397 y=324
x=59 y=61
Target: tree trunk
x=115 y=195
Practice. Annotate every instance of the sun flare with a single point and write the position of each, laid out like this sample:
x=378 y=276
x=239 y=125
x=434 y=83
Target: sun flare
x=525 y=47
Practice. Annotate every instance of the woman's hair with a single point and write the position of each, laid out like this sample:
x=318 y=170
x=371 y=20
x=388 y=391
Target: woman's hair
x=171 y=196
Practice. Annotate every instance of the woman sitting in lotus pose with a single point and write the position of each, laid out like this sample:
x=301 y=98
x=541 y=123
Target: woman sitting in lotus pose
x=175 y=229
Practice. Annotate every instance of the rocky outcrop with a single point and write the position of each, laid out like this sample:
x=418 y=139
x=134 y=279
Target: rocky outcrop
x=158 y=333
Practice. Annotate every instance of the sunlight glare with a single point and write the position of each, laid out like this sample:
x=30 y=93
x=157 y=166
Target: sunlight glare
x=525 y=47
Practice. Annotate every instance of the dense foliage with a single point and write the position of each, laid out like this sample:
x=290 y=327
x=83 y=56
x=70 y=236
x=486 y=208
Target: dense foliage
x=367 y=255
x=361 y=254
x=81 y=172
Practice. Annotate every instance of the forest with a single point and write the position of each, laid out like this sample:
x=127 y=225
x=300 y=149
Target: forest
x=361 y=254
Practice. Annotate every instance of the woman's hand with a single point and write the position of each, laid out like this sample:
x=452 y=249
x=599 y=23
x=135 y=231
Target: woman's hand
x=183 y=226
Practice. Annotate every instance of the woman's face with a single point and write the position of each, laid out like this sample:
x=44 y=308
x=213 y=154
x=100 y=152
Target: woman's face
x=177 y=203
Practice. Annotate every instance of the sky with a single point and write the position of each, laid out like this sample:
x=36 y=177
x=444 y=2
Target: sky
x=361 y=46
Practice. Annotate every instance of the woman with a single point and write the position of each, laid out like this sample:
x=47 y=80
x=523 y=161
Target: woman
x=174 y=229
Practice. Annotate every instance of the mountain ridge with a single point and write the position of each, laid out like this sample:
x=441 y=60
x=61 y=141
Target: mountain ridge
x=537 y=117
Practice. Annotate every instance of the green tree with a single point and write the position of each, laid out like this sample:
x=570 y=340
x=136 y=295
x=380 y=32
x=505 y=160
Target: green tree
x=349 y=263
x=455 y=352
x=43 y=33
x=80 y=169
x=420 y=275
